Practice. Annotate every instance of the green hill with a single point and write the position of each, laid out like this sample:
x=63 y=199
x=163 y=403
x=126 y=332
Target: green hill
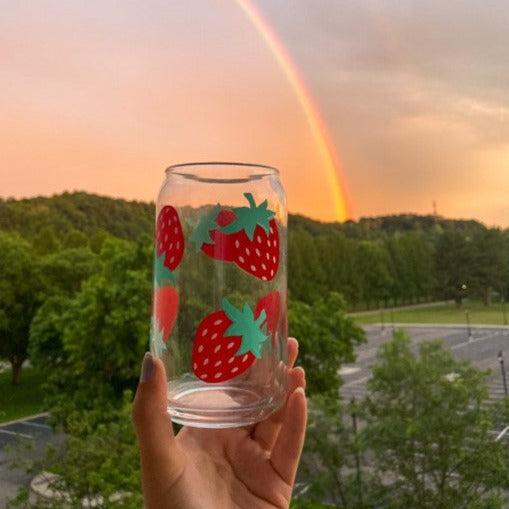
x=85 y=212
x=89 y=213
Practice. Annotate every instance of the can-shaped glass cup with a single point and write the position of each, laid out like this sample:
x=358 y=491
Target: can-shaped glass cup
x=219 y=320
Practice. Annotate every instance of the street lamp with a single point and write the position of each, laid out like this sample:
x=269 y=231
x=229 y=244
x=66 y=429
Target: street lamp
x=502 y=369
x=469 y=328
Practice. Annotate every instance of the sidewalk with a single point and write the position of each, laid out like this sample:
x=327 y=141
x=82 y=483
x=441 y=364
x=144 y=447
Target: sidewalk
x=400 y=308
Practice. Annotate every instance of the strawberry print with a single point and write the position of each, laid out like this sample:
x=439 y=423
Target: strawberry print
x=169 y=237
x=247 y=236
x=166 y=303
x=271 y=305
x=227 y=342
x=168 y=253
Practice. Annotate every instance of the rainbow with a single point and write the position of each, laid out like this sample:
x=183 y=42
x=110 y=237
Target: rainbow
x=342 y=203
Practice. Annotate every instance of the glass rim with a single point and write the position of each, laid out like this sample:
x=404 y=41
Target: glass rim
x=229 y=165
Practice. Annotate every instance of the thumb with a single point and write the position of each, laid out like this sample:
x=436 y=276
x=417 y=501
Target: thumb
x=161 y=462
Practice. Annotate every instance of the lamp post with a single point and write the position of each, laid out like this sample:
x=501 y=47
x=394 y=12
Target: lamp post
x=382 y=319
x=469 y=328
x=502 y=369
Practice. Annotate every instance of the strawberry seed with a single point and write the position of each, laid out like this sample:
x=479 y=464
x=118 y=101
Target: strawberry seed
x=218 y=375
x=218 y=363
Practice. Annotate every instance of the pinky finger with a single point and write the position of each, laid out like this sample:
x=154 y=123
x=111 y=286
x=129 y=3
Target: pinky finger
x=288 y=447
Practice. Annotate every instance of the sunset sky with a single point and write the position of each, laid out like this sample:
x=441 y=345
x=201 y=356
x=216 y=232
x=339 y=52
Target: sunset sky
x=102 y=95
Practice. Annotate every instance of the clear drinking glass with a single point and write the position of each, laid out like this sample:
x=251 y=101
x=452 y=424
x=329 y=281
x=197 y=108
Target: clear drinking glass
x=219 y=319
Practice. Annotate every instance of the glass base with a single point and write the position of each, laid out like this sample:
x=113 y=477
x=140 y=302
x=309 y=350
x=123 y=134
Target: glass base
x=219 y=406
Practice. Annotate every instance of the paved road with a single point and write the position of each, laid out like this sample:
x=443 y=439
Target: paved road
x=34 y=431
x=482 y=348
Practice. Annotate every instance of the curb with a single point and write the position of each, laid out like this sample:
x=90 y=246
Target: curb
x=437 y=325
x=23 y=419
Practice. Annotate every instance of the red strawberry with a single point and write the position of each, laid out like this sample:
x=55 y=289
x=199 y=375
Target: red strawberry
x=271 y=304
x=166 y=303
x=227 y=342
x=169 y=237
x=209 y=237
x=246 y=236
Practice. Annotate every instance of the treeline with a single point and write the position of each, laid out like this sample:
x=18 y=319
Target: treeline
x=380 y=261
x=397 y=260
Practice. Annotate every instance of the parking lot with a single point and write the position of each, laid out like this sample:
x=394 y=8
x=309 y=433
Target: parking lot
x=34 y=433
x=480 y=345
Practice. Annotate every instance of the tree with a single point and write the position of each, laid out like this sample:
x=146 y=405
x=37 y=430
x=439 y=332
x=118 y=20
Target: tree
x=306 y=276
x=19 y=298
x=490 y=263
x=96 y=469
x=372 y=264
x=327 y=337
x=326 y=340
x=62 y=272
x=454 y=265
x=338 y=259
x=96 y=337
x=333 y=464
x=411 y=266
x=428 y=426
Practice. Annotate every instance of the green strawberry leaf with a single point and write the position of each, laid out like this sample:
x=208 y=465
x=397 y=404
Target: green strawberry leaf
x=156 y=337
x=207 y=223
x=248 y=218
x=245 y=325
x=162 y=273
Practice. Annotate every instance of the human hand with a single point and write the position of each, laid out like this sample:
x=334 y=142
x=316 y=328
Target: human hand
x=251 y=467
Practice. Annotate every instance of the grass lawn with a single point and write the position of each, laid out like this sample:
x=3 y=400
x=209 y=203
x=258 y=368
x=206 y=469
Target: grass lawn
x=24 y=399
x=446 y=314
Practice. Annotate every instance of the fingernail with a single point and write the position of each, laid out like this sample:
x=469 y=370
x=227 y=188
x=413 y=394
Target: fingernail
x=301 y=391
x=147 y=368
